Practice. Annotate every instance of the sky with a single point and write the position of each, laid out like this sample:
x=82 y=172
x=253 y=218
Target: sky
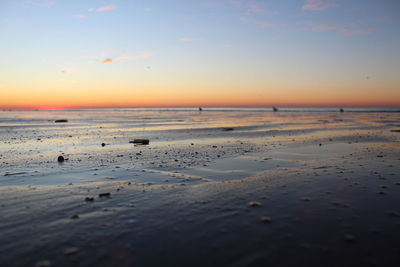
x=209 y=53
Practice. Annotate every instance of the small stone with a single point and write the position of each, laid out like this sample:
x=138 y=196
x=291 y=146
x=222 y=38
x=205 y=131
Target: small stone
x=265 y=219
x=103 y=144
x=349 y=238
x=89 y=198
x=70 y=251
x=60 y=159
x=43 y=263
x=393 y=214
x=108 y=194
x=75 y=216
x=254 y=204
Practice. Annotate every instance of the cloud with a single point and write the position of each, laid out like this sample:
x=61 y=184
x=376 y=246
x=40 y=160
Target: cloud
x=145 y=54
x=318 y=4
x=107 y=61
x=79 y=16
x=102 y=9
x=256 y=8
x=257 y=22
x=347 y=32
x=186 y=39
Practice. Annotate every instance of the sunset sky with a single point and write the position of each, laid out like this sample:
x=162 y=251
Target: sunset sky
x=159 y=53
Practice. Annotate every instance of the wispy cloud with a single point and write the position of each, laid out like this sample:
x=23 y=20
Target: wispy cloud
x=257 y=22
x=256 y=8
x=102 y=9
x=186 y=39
x=349 y=32
x=318 y=4
x=79 y=16
x=145 y=54
x=107 y=61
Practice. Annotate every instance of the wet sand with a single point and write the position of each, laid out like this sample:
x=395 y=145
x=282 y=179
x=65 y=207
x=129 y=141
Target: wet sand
x=305 y=189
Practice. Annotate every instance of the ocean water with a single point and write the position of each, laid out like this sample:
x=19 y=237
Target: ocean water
x=183 y=142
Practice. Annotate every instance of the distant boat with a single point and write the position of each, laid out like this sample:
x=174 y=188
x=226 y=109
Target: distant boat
x=341 y=110
x=274 y=108
x=200 y=109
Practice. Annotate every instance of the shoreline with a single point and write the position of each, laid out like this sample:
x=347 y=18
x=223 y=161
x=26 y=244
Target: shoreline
x=323 y=192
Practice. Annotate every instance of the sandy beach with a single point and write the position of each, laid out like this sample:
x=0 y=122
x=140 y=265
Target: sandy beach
x=247 y=187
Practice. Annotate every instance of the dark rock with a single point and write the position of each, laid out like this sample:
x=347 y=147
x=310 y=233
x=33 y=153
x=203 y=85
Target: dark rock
x=75 y=216
x=140 y=141
x=43 y=263
x=103 y=144
x=265 y=219
x=70 y=251
x=60 y=121
x=393 y=214
x=227 y=129
x=60 y=159
x=89 y=198
x=108 y=194
x=254 y=204
x=349 y=238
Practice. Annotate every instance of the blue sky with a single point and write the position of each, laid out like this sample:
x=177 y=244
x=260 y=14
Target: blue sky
x=327 y=50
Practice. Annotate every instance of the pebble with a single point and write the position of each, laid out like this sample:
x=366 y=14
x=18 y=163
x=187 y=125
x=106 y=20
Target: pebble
x=103 y=144
x=265 y=219
x=393 y=214
x=89 y=199
x=75 y=216
x=349 y=238
x=254 y=204
x=70 y=251
x=108 y=194
x=60 y=159
x=43 y=263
